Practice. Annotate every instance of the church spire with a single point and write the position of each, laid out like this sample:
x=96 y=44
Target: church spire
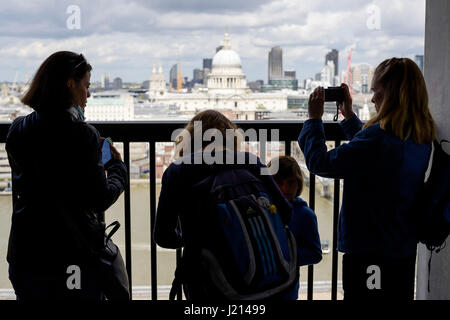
x=226 y=40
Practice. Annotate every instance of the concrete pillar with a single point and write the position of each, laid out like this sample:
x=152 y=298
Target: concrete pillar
x=437 y=76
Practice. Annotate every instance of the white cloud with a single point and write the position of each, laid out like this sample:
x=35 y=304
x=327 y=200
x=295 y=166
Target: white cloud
x=127 y=37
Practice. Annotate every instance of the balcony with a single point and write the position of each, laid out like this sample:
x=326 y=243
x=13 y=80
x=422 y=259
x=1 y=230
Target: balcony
x=155 y=132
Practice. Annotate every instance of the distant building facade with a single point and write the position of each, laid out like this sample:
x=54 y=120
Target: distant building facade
x=110 y=106
x=362 y=75
x=327 y=74
x=275 y=63
x=277 y=84
x=157 y=85
x=117 y=83
x=105 y=81
x=290 y=74
x=197 y=76
x=207 y=63
x=419 y=60
x=173 y=82
x=207 y=66
x=333 y=55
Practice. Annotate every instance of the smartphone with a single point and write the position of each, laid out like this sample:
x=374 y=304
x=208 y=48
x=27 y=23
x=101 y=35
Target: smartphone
x=106 y=152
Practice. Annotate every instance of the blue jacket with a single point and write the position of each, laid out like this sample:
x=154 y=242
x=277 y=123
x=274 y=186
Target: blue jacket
x=382 y=177
x=303 y=225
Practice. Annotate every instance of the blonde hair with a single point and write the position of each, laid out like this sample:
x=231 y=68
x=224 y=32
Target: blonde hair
x=210 y=119
x=404 y=109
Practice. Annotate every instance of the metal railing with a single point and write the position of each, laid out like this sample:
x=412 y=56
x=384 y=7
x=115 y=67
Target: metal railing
x=153 y=132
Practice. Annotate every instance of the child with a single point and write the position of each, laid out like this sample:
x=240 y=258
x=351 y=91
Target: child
x=201 y=208
x=303 y=223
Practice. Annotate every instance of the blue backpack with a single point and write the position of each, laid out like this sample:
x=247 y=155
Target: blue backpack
x=434 y=205
x=247 y=251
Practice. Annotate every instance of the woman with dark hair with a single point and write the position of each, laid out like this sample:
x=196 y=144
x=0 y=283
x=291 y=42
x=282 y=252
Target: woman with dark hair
x=383 y=168
x=59 y=186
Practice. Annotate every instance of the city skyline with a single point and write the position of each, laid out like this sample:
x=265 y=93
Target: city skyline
x=125 y=39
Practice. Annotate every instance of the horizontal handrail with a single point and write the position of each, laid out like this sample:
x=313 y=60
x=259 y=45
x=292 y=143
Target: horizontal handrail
x=161 y=131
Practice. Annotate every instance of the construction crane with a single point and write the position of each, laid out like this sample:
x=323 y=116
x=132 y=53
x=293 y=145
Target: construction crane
x=348 y=76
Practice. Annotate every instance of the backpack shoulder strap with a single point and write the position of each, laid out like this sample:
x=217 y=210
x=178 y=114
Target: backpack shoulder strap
x=430 y=163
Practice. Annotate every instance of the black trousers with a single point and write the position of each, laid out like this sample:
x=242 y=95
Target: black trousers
x=374 y=277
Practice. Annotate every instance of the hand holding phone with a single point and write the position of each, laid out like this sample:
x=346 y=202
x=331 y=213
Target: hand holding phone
x=106 y=151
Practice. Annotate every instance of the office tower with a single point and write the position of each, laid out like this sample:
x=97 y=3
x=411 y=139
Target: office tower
x=173 y=77
x=317 y=76
x=255 y=86
x=362 y=75
x=290 y=74
x=197 y=76
x=333 y=55
x=327 y=74
x=145 y=84
x=105 y=81
x=419 y=60
x=207 y=67
x=207 y=63
x=117 y=83
x=275 y=63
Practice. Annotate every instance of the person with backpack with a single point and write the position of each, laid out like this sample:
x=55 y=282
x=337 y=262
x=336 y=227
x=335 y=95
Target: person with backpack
x=383 y=167
x=228 y=216
x=59 y=187
x=303 y=223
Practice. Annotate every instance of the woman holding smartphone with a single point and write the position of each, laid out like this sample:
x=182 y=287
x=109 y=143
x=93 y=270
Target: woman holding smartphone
x=59 y=186
x=383 y=168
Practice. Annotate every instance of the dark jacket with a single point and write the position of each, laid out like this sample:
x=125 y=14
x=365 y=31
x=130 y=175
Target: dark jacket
x=57 y=173
x=304 y=227
x=382 y=178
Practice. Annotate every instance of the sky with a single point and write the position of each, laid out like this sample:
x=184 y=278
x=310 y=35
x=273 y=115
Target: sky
x=125 y=38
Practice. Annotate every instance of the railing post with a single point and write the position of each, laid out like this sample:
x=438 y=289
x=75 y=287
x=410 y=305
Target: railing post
x=334 y=271
x=153 y=255
x=180 y=291
x=126 y=152
x=312 y=205
x=287 y=148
